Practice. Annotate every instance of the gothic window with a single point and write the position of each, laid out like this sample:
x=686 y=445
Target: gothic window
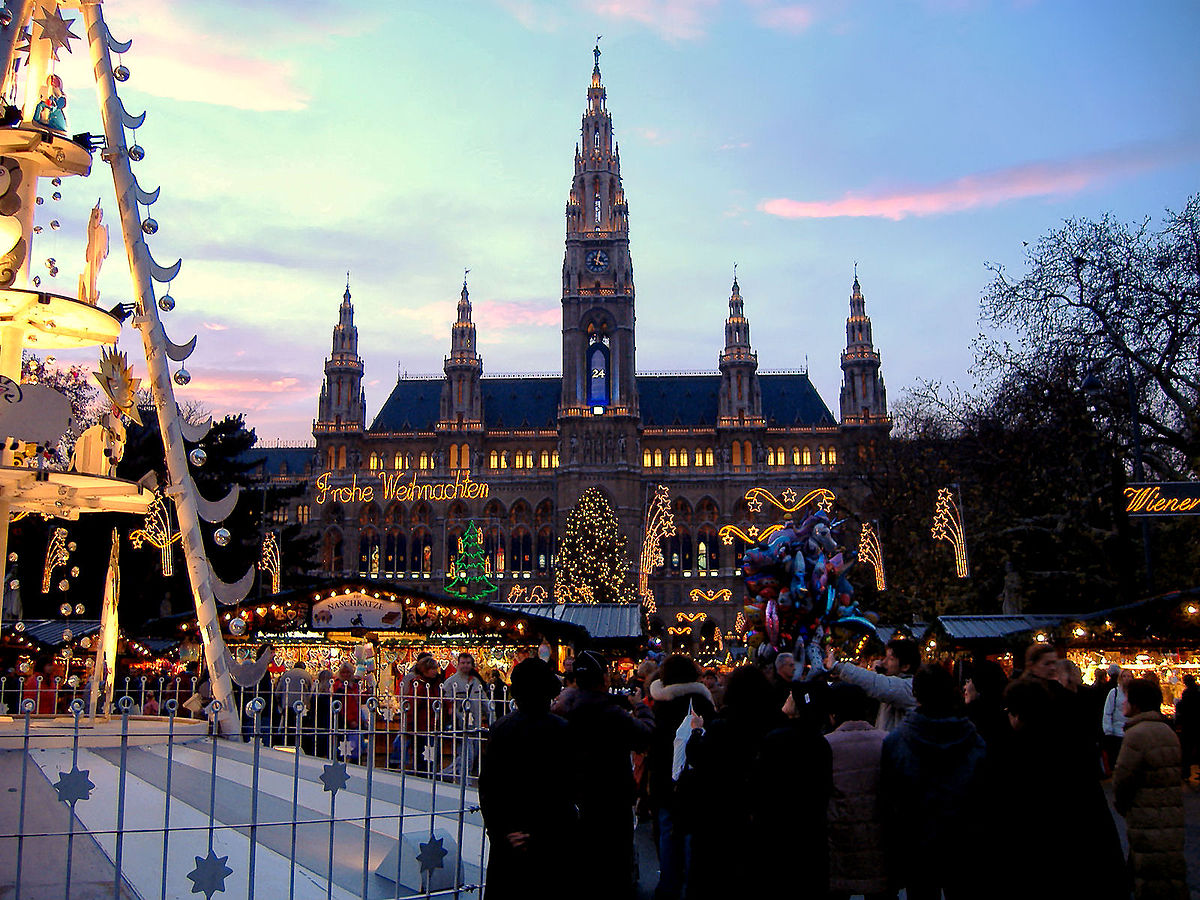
x=545 y=459
x=424 y=461
x=544 y=551
x=597 y=384
x=646 y=457
x=708 y=457
x=780 y=456
x=521 y=545
x=504 y=459
x=702 y=555
x=747 y=454
x=683 y=457
x=821 y=455
x=596 y=138
x=518 y=460
x=331 y=458
x=554 y=459
x=832 y=456
x=737 y=454
x=596 y=210
x=771 y=456
x=658 y=459
x=795 y=456
x=369 y=553
x=464 y=456
x=454 y=456
x=302 y=513
x=398 y=461
x=672 y=457
x=739 y=386
x=341 y=457
x=331 y=551
x=493 y=460
x=529 y=459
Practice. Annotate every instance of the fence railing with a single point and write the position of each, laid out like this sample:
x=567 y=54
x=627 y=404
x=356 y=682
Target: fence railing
x=334 y=793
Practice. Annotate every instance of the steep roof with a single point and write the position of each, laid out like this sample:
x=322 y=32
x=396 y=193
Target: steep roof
x=281 y=461
x=667 y=401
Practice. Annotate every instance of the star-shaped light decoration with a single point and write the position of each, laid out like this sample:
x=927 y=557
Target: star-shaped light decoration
x=789 y=496
x=335 y=777
x=753 y=531
x=117 y=381
x=56 y=30
x=209 y=875
x=727 y=539
x=432 y=855
x=754 y=504
x=74 y=785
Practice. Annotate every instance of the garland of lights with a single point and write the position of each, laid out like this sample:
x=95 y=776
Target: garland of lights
x=592 y=561
x=157 y=531
x=660 y=525
x=870 y=552
x=691 y=617
x=518 y=593
x=56 y=555
x=470 y=567
x=822 y=497
x=724 y=595
x=948 y=526
x=269 y=561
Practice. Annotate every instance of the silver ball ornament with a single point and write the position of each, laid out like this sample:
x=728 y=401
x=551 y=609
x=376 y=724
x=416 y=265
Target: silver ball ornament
x=74 y=571
x=6 y=17
x=37 y=280
x=64 y=585
x=67 y=634
x=73 y=682
x=65 y=609
x=166 y=303
x=55 y=225
x=198 y=457
x=150 y=226
x=20 y=626
x=54 y=271
x=57 y=195
x=222 y=537
x=136 y=153
x=71 y=545
x=121 y=73
x=237 y=626
x=80 y=609
x=182 y=377
x=56 y=181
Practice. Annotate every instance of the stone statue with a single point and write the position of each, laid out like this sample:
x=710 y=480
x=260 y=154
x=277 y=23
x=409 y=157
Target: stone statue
x=97 y=252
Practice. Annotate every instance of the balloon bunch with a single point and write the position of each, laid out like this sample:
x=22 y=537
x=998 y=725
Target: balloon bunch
x=797 y=590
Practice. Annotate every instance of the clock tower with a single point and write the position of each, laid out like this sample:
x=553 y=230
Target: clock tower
x=599 y=422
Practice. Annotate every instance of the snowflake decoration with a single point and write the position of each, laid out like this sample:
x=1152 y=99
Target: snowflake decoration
x=789 y=496
x=209 y=875
x=335 y=777
x=74 y=785
x=432 y=855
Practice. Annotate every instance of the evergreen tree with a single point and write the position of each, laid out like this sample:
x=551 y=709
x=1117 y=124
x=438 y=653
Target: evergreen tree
x=592 y=566
x=471 y=580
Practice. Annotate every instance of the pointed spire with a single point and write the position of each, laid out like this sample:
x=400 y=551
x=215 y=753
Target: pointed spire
x=346 y=296
x=464 y=301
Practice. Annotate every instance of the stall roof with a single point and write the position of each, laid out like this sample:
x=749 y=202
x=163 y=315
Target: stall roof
x=601 y=621
x=49 y=632
x=968 y=628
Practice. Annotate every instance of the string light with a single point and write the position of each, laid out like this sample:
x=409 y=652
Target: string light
x=660 y=525
x=592 y=561
x=948 y=526
x=56 y=555
x=870 y=552
x=157 y=531
x=269 y=561
x=724 y=595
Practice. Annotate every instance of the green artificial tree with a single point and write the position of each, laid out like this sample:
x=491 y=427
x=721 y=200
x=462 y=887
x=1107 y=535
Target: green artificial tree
x=471 y=581
x=592 y=563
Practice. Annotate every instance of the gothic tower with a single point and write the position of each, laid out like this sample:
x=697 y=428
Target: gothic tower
x=864 y=399
x=739 y=403
x=461 y=406
x=598 y=343
x=342 y=406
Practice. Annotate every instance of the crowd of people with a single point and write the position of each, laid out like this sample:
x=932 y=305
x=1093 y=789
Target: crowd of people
x=908 y=775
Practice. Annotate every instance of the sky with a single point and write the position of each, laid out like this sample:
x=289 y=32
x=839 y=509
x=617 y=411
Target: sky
x=405 y=142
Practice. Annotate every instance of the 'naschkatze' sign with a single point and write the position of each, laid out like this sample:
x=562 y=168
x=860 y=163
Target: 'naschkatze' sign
x=1166 y=498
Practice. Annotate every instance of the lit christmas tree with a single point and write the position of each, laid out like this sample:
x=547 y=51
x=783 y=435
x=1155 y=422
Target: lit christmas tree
x=592 y=563
x=471 y=580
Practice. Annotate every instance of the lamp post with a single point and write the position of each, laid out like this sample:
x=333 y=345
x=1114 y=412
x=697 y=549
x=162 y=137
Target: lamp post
x=1092 y=386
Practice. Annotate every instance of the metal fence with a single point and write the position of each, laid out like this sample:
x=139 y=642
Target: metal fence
x=324 y=794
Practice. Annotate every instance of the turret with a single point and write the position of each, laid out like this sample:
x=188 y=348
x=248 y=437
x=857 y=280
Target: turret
x=342 y=405
x=864 y=398
x=461 y=403
x=739 y=403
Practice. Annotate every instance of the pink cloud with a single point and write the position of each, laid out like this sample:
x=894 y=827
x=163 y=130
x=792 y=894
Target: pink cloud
x=506 y=314
x=673 y=19
x=1043 y=179
x=216 y=326
x=652 y=136
x=794 y=19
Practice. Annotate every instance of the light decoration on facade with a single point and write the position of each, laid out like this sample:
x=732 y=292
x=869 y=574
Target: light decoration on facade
x=870 y=552
x=518 y=593
x=660 y=525
x=57 y=555
x=948 y=526
x=157 y=531
x=787 y=504
x=684 y=629
x=724 y=595
x=268 y=562
x=691 y=617
x=739 y=624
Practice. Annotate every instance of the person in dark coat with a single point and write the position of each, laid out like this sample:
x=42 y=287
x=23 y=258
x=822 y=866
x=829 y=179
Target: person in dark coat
x=526 y=791
x=603 y=730
x=984 y=693
x=1187 y=723
x=722 y=774
x=676 y=690
x=1067 y=862
x=932 y=790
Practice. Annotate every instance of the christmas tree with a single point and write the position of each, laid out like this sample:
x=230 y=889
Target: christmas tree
x=592 y=563
x=471 y=580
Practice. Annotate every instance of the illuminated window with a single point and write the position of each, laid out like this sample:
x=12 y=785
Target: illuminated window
x=554 y=459
x=658 y=459
x=398 y=461
x=770 y=456
x=302 y=513
x=702 y=556
x=518 y=460
x=545 y=459
x=806 y=456
x=596 y=138
x=332 y=459
x=821 y=455
x=453 y=456
x=747 y=453
x=833 y=456
x=780 y=457
x=646 y=457
x=424 y=461
x=464 y=456
x=708 y=457
x=504 y=459
x=737 y=454
x=672 y=457
x=795 y=456
x=683 y=457
x=529 y=459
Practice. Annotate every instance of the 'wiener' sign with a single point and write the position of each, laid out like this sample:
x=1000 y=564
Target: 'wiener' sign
x=1167 y=498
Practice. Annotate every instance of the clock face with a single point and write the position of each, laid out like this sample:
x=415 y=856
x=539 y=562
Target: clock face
x=596 y=260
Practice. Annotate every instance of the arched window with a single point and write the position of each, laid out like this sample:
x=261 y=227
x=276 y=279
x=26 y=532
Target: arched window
x=737 y=454
x=544 y=551
x=504 y=459
x=302 y=513
x=770 y=456
x=493 y=460
x=806 y=456
x=596 y=138
x=821 y=455
x=554 y=459
x=795 y=456
x=369 y=553
x=341 y=458
x=529 y=459
x=331 y=551
x=464 y=456
x=398 y=461
x=672 y=457
x=545 y=459
x=521 y=556
x=330 y=458
x=832 y=456
x=683 y=457
x=658 y=459
x=424 y=461
x=454 y=456
x=597 y=382
x=518 y=460
x=747 y=454
x=708 y=457
x=646 y=458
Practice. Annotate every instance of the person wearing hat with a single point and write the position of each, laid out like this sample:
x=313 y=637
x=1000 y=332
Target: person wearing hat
x=604 y=730
x=526 y=790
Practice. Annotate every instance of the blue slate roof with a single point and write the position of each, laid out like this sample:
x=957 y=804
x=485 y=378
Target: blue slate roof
x=601 y=621
x=281 y=461
x=667 y=401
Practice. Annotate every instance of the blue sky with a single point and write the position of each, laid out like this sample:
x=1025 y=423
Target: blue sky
x=406 y=142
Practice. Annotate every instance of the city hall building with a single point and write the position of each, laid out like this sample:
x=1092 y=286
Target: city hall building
x=390 y=499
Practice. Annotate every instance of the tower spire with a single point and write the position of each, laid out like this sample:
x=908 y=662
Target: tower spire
x=864 y=398
x=461 y=403
x=739 y=400
x=342 y=404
